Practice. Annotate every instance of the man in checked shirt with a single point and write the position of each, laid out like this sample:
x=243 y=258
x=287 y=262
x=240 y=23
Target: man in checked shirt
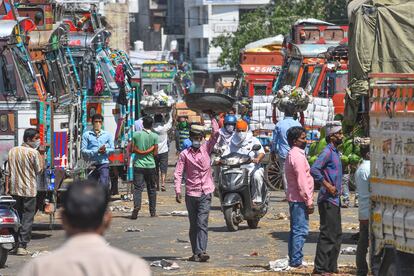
x=327 y=171
x=199 y=186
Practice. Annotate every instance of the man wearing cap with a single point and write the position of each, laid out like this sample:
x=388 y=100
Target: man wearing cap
x=195 y=162
x=327 y=171
x=243 y=142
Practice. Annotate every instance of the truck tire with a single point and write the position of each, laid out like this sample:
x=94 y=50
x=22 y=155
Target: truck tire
x=388 y=263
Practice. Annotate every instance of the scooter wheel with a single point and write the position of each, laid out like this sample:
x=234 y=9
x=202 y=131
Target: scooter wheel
x=230 y=217
x=253 y=223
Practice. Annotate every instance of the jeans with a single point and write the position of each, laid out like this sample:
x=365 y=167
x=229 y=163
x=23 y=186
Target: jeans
x=330 y=238
x=26 y=208
x=198 y=210
x=101 y=174
x=142 y=176
x=299 y=229
x=362 y=249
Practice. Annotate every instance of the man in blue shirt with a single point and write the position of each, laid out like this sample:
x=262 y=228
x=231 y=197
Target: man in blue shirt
x=280 y=145
x=327 y=171
x=97 y=145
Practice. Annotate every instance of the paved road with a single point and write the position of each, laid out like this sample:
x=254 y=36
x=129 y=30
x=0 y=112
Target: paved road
x=162 y=238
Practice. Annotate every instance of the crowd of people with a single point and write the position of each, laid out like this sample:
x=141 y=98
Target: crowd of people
x=85 y=215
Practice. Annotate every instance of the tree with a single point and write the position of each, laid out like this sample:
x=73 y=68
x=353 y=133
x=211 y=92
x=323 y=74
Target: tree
x=273 y=19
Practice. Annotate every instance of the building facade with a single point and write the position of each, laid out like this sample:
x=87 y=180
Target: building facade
x=206 y=19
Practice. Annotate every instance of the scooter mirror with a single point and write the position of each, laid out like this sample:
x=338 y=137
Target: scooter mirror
x=256 y=147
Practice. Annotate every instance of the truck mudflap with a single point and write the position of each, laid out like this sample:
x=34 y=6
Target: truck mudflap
x=117 y=158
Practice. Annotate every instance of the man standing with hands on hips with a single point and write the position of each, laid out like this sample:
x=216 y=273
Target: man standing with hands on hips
x=97 y=144
x=327 y=171
x=196 y=163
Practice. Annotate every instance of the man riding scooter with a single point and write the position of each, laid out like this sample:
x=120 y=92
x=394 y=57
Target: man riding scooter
x=242 y=142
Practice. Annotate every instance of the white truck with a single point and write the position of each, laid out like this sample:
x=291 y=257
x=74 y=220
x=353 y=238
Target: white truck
x=392 y=173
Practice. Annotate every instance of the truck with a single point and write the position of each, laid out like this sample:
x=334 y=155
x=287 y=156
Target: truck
x=381 y=63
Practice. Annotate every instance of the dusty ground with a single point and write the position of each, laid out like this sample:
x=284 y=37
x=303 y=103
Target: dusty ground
x=165 y=237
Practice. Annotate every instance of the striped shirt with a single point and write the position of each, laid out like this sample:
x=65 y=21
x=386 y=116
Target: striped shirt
x=24 y=164
x=183 y=134
x=328 y=166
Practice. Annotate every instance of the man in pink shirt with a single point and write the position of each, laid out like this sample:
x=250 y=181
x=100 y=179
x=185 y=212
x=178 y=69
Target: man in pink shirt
x=195 y=162
x=299 y=193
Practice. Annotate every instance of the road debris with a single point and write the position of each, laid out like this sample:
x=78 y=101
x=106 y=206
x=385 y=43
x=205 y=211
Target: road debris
x=123 y=209
x=253 y=254
x=167 y=265
x=281 y=216
x=179 y=213
x=279 y=265
x=183 y=241
x=133 y=229
x=39 y=253
x=348 y=251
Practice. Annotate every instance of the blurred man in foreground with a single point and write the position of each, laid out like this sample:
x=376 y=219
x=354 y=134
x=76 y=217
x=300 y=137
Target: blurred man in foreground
x=85 y=218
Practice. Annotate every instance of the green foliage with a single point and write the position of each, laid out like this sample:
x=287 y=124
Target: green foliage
x=274 y=19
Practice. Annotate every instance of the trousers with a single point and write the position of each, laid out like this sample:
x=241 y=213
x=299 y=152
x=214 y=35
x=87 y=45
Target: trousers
x=198 y=211
x=101 y=174
x=142 y=177
x=362 y=249
x=26 y=208
x=299 y=230
x=330 y=238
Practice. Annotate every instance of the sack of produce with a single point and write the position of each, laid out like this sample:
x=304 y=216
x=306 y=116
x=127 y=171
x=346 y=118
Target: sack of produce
x=292 y=99
x=157 y=102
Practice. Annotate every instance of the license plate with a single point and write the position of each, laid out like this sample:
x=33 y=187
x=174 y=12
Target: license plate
x=6 y=239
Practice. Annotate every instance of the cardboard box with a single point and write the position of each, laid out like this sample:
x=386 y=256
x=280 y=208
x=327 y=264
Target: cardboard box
x=194 y=119
x=185 y=113
x=181 y=105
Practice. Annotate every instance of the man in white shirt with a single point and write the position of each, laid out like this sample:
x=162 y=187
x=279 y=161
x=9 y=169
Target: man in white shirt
x=85 y=218
x=161 y=160
x=362 y=176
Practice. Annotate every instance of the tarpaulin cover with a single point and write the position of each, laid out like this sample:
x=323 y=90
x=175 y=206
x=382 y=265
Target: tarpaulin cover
x=381 y=41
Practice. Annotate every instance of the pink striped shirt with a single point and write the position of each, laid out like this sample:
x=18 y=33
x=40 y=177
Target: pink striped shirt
x=299 y=180
x=197 y=166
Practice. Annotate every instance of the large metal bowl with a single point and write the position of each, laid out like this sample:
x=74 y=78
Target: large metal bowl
x=216 y=102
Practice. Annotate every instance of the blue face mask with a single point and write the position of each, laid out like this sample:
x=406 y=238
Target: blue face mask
x=196 y=144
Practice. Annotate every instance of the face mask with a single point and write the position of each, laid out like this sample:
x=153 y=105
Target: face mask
x=242 y=135
x=35 y=144
x=302 y=146
x=196 y=144
x=230 y=128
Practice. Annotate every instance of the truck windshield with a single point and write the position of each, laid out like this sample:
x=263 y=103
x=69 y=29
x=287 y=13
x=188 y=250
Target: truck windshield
x=335 y=83
x=292 y=73
x=310 y=86
x=108 y=76
x=24 y=72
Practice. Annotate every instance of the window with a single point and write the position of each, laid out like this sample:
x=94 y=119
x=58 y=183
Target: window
x=314 y=79
x=260 y=89
x=4 y=122
x=292 y=73
x=206 y=47
x=335 y=82
x=7 y=77
x=341 y=81
x=25 y=72
x=109 y=79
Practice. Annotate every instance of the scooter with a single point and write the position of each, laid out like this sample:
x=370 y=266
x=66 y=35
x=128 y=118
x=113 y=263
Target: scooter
x=235 y=192
x=9 y=226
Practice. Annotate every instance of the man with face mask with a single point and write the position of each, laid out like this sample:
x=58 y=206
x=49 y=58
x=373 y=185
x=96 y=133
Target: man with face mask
x=227 y=131
x=97 y=144
x=299 y=194
x=242 y=142
x=327 y=171
x=199 y=186
x=24 y=164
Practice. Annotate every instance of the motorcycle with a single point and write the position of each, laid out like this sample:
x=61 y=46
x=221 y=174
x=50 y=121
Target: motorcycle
x=235 y=192
x=9 y=226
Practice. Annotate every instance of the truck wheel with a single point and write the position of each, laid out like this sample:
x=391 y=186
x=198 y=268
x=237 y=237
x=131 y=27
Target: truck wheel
x=273 y=176
x=253 y=223
x=3 y=256
x=230 y=218
x=388 y=265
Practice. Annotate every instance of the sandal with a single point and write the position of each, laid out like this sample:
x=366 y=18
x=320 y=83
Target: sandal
x=163 y=189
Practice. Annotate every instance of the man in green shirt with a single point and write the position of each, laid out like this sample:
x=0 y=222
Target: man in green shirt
x=145 y=146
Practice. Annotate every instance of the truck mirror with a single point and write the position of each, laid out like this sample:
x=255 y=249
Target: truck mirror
x=11 y=77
